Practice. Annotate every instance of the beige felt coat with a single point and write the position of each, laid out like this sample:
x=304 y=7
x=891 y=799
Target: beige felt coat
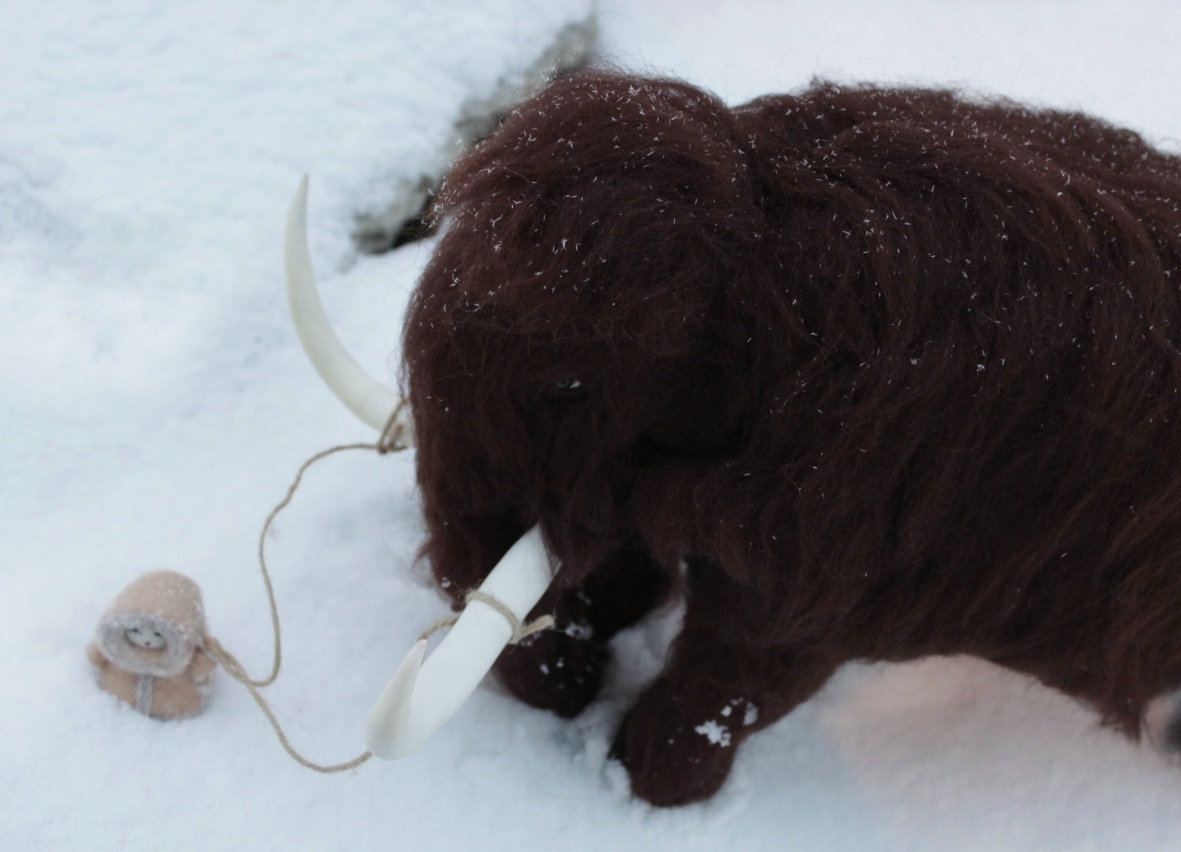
x=166 y=682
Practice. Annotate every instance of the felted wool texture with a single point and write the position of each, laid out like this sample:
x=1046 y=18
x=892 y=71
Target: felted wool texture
x=171 y=682
x=163 y=601
x=892 y=372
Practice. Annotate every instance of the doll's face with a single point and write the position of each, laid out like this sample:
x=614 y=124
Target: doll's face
x=146 y=638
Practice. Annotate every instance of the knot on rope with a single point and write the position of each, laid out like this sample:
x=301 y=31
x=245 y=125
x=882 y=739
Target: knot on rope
x=521 y=630
x=395 y=436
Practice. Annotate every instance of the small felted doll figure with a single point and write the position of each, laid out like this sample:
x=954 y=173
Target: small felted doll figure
x=148 y=649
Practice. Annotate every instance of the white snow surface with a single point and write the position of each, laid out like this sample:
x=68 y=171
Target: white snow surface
x=155 y=405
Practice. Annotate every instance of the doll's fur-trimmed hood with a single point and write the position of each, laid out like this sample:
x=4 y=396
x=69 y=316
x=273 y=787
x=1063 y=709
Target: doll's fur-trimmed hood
x=163 y=601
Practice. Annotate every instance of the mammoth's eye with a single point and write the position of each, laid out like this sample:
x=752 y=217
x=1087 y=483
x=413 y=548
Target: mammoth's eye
x=563 y=390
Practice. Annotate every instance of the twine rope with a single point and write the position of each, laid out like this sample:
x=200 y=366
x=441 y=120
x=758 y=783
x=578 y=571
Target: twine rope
x=393 y=439
x=521 y=630
x=235 y=670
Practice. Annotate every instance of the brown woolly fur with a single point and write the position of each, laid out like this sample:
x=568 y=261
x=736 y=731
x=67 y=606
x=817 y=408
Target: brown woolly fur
x=883 y=373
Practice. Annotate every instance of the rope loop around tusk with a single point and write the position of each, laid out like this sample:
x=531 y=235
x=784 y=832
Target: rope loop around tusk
x=521 y=630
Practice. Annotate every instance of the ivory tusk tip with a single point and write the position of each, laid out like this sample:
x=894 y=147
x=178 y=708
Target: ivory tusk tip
x=386 y=728
x=415 y=704
x=299 y=202
x=367 y=398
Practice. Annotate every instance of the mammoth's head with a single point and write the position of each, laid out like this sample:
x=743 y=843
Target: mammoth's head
x=579 y=319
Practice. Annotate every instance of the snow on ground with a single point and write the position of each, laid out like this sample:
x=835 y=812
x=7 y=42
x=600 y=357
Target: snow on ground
x=154 y=405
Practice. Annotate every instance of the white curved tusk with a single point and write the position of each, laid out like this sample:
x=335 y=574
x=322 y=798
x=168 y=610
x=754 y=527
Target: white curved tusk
x=367 y=398
x=421 y=697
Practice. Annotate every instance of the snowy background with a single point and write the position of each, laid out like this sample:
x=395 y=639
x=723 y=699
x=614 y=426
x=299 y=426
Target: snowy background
x=154 y=404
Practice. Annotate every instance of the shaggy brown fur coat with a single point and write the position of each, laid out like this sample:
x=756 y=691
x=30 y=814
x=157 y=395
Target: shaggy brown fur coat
x=884 y=373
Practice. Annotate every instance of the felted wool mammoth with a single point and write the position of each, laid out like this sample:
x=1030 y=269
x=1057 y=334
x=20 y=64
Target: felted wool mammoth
x=862 y=373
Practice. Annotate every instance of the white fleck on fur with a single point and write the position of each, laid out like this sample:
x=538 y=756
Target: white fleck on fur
x=579 y=631
x=750 y=713
x=716 y=733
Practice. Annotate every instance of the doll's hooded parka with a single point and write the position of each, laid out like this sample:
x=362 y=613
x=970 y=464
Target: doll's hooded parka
x=148 y=649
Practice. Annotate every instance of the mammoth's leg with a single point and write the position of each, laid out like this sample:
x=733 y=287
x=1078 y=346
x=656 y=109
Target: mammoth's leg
x=562 y=669
x=679 y=740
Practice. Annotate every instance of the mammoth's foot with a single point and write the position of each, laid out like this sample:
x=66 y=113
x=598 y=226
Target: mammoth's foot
x=679 y=741
x=561 y=670
x=677 y=754
x=557 y=670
